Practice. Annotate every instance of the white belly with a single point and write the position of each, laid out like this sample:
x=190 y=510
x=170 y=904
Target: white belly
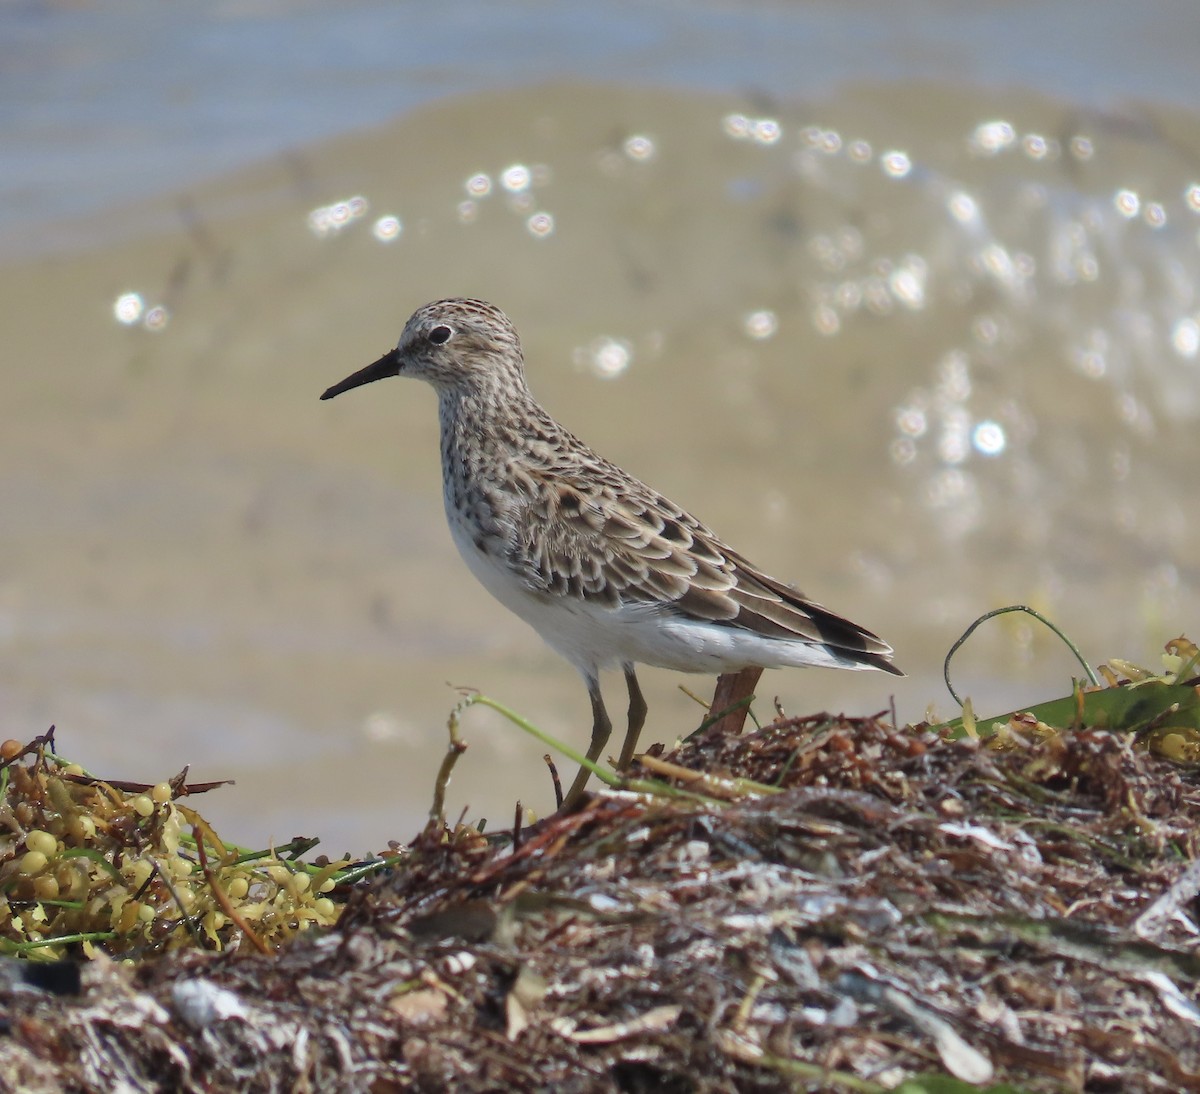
x=594 y=637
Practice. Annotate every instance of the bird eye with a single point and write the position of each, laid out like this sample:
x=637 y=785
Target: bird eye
x=440 y=334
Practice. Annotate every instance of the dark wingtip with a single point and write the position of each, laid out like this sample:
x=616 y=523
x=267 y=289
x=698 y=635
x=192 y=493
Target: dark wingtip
x=387 y=365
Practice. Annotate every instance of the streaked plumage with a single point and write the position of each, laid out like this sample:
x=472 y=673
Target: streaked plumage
x=609 y=571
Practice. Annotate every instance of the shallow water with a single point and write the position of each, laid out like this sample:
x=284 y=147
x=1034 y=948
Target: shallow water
x=923 y=346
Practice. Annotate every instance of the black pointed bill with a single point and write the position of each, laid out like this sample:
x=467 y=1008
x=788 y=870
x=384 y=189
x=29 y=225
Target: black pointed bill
x=387 y=365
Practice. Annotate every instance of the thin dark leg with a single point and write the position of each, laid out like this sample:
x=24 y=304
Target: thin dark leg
x=601 y=731
x=637 y=719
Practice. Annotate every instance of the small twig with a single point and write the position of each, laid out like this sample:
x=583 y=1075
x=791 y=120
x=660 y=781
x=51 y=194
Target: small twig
x=558 y=790
x=224 y=902
x=541 y=845
x=516 y=837
x=437 y=811
x=1002 y=611
x=700 y=702
x=37 y=744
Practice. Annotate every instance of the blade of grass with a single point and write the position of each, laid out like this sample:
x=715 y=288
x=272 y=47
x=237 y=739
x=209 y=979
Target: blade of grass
x=1003 y=611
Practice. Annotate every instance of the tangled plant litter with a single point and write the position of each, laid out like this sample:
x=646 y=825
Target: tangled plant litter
x=823 y=902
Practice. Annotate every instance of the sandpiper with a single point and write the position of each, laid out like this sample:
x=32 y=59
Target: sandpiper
x=608 y=571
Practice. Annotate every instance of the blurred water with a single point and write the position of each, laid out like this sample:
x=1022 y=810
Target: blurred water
x=108 y=104
x=907 y=308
